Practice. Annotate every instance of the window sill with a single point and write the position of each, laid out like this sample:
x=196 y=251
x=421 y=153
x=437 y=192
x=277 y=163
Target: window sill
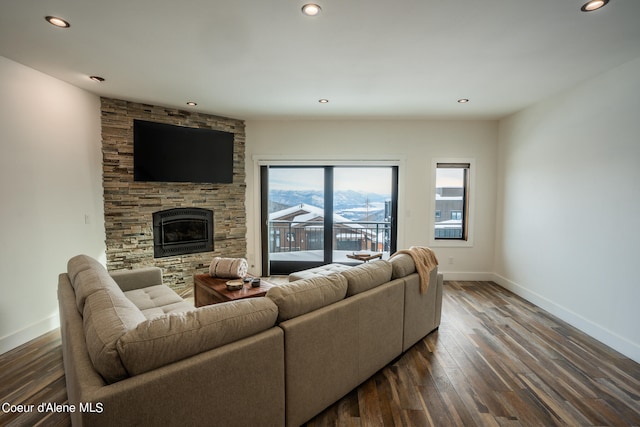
x=450 y=243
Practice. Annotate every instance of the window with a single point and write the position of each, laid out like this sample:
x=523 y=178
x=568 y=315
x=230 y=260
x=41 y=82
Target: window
x=451 y=201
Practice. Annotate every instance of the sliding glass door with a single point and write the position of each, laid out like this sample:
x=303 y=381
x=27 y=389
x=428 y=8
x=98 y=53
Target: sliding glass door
x=316 y=215
x=363 y=211
x=294 y=217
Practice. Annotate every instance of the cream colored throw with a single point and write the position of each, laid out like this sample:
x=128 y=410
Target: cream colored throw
x=425 y=261
x=228 y=268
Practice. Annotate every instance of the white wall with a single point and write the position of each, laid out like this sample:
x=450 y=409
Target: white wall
x=569 y=204
x=50 y=178
x=415 y=144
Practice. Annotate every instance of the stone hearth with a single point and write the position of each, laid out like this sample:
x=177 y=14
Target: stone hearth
x=129 y=205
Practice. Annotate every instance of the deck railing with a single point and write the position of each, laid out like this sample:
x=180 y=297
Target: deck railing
x=296 y=236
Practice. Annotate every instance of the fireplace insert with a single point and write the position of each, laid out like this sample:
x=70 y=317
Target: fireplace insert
x=182 y=231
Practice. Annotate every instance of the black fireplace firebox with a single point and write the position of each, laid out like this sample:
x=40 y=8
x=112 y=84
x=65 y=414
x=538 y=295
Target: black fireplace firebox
x=182 y=231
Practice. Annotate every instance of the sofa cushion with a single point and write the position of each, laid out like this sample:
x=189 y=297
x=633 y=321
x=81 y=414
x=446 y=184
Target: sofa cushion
x=81 y=263
x=367 y=276
x=176 y=307
x=156 y=301
x=403 y=266
x=92 y=280
x=303 y=296
x=153 y=296
x=107 y=315
x=137 y=278
x=323 y=270
x=163 y=340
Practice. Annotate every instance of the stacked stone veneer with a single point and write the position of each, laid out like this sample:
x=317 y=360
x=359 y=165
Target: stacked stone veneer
x=129 y=205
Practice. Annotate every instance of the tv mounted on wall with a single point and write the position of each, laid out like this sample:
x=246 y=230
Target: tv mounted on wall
x=169 y=153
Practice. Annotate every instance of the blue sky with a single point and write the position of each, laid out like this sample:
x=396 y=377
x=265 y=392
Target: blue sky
x=369 y=180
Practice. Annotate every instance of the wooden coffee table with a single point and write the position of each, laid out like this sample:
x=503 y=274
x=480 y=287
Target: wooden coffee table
x=209 y=290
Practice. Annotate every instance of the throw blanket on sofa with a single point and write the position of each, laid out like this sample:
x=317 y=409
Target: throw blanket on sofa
x=228 y=268
x=425 y=261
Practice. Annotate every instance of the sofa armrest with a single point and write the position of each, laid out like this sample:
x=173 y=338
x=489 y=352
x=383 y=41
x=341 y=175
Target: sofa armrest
x=137 y=278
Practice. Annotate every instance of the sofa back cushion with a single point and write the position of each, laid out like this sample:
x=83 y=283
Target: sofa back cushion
x=367 y=276
x=403 y=266
x=176 y=336
x=138 y=278
x=81 y=263
x=107 y=315
x=92 y=280
x=87 y=276
x=306 y=295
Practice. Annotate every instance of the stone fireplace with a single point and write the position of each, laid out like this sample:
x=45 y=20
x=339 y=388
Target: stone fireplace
x=130 y=206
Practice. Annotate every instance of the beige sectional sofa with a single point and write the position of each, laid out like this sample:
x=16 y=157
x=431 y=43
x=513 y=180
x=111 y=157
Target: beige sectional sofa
x=141 y=356
x=138 y=354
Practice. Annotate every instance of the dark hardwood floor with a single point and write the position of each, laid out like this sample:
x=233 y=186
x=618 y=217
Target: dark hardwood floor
x=495 y=361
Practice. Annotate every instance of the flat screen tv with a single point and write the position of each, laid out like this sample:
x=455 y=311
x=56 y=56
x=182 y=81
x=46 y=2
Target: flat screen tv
x=169 y=153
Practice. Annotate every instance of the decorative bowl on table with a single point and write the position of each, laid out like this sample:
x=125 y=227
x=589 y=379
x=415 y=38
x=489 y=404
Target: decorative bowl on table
x=235 y=285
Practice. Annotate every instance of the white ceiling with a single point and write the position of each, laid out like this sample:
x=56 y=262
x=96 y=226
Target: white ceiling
x=251 y=59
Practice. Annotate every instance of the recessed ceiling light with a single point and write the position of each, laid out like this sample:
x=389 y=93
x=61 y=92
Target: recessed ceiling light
x=192 y=104
x=592 y=5
x=58 y=22
x=463 y=101
x=323 y=101
x=97 y=79
x=311 y=9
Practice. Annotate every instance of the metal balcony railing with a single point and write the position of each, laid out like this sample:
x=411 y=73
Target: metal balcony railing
x=296 y=236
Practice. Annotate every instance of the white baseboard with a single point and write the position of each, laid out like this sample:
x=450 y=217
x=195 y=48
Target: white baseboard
x=602 y=334
x=16 y=339
x=463 y=275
